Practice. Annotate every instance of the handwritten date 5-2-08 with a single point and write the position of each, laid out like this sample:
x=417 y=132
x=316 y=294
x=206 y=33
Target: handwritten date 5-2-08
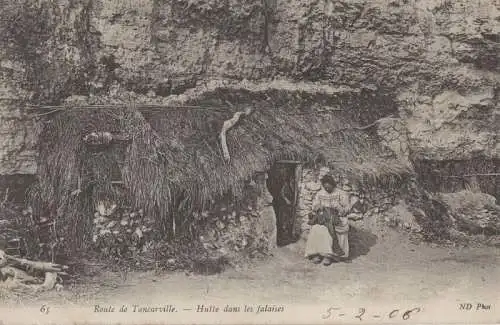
x=361 y=314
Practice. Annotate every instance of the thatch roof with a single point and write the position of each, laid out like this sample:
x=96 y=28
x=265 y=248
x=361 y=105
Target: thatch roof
x=175 y=163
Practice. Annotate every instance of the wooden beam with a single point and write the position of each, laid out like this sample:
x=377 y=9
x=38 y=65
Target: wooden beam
x=108 y=106
x=469 y=175
x=228 y=124
x=47 y=110
x=42 y=266
x=293 y=162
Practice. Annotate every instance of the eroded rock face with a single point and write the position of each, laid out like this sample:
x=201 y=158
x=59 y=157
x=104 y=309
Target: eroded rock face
x=46 y=54
x=374 y=43
x=430 y=53
x=455 y=125
x=475 y=213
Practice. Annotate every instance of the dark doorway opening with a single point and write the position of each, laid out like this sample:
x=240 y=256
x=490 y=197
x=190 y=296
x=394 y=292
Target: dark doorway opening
x=283 y=183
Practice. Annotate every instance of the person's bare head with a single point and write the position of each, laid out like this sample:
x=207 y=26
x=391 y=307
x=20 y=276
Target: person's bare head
x=328 y=183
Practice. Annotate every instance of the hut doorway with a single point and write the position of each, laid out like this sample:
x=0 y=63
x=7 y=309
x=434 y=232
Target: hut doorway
x=283 y=184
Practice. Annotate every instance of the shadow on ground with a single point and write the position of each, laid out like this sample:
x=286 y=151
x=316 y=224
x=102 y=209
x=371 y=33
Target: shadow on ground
x=360 y=242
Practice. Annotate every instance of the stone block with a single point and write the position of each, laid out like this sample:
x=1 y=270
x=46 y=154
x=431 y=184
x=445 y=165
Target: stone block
x=313 y=186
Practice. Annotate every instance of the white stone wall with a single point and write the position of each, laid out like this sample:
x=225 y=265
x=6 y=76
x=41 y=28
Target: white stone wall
x=310 y=185
x=249 y=229
x=227 y=230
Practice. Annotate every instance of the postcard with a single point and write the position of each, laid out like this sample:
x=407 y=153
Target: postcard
x=249 y=162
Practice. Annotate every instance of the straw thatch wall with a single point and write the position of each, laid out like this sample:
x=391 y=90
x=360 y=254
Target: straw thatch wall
x=174 y=165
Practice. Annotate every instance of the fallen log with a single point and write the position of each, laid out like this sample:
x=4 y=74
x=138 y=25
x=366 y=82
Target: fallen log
x=11 y=272
x=18 y=275
x=33 y=265
x=226 y=126
x=15 y=278
x=41 y=266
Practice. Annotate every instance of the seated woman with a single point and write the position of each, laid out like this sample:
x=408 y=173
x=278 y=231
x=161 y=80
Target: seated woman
x=320 y=242
x=331 y=197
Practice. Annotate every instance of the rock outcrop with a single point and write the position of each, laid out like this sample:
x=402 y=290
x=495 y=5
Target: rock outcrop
x=437 y=58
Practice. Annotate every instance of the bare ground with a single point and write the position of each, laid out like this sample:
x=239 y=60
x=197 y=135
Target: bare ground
x=386 y=267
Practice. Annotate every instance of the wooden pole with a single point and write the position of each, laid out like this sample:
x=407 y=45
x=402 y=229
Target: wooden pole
x=41 y=266
x=226 y=126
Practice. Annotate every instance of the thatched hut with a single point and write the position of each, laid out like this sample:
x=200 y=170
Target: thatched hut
x=170 y=163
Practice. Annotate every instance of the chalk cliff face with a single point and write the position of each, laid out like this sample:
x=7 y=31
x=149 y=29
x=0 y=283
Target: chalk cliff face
x=438 y=58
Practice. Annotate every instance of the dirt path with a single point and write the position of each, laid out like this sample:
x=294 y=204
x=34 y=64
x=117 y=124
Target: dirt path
x=388 y=272
x=394 y=268
x=392 y=271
